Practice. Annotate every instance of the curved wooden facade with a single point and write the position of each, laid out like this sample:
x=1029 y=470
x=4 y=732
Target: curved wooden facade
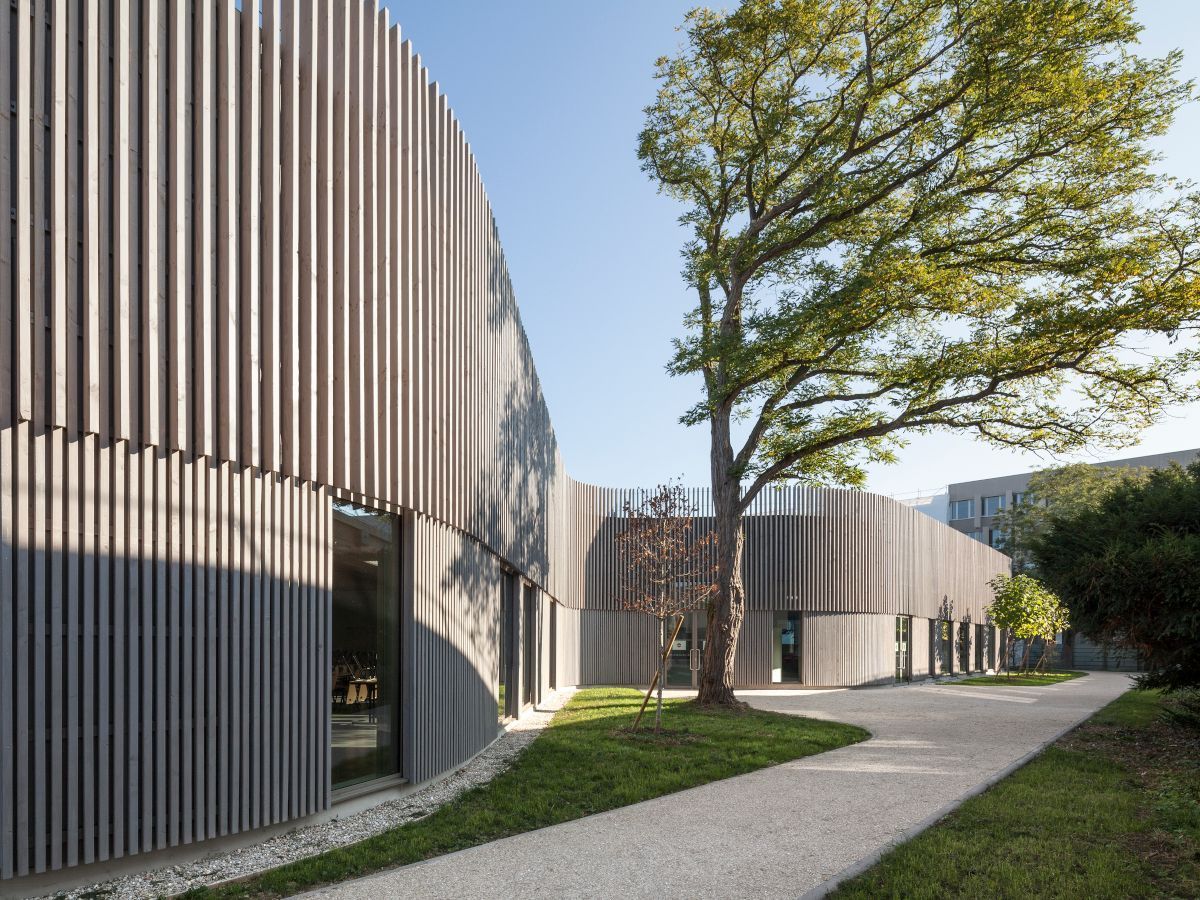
x=250 y=267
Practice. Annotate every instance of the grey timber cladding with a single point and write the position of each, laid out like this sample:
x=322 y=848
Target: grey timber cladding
x=248 y=265
x=816 y=550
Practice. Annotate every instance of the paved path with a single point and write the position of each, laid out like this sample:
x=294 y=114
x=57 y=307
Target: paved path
x=777 y=832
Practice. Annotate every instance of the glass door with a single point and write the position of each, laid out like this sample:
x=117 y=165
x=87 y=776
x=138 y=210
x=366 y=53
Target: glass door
x=679 y=669
x=903 y=642
x=364 y=711
x=785 y=651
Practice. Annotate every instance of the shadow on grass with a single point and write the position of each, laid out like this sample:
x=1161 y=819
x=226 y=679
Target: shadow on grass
x=587 y=761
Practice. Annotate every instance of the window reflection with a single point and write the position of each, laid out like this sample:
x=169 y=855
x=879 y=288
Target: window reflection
x=785 y=663
x=364 y=737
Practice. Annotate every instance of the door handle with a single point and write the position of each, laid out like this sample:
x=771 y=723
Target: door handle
x=694 y=659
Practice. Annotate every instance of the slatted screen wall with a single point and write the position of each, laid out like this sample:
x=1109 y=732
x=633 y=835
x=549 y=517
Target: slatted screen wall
x=247 y=263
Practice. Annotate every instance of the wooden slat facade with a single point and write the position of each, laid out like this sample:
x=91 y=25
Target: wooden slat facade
x=248 y=265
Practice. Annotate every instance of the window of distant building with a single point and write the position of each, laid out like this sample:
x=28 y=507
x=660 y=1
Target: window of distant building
x=1020 y=498
x=977 y=534
x=962 y=509
x=996 y=538
x=993 y=505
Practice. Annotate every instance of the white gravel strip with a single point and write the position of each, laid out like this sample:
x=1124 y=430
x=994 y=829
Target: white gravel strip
x=309 y=840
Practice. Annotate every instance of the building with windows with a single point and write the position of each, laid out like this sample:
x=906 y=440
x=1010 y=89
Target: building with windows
x=973 y=505
x=283 y=520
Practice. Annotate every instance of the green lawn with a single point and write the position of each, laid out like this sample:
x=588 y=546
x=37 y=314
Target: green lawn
x=1110 y=811
x=584 y=762
x=1028 y=679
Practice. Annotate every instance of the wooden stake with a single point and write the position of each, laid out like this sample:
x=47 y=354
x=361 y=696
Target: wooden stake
x=654 y=680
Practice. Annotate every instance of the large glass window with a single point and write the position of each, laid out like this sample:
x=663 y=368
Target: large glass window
x=993 y=505
x=504 y=658
x=962 y=509
x=785 y=662
x=530 y=640
x=943 y=634
x=366 y=640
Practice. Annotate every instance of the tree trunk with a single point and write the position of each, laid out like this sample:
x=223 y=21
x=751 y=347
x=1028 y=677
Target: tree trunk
x=728 y=607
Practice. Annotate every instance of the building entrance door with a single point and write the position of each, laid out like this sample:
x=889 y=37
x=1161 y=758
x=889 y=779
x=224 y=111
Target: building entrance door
x=903 y=642
x=683 y=663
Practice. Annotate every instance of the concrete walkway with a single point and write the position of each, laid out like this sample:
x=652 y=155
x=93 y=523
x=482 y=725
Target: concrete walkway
x=782 y=831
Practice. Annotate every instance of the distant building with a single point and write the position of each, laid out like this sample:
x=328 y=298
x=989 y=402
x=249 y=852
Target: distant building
x=935 y=504
x=973 y=505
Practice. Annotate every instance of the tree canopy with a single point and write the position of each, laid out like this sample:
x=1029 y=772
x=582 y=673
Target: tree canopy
x=906 y=216
x=1129 y=570
x=1027 y=609
x=1058 y=491
x=919 y=214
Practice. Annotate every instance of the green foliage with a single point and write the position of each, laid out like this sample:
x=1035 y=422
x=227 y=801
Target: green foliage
x=1108 y=812
x=920 y=215
x=584 y=763
x=1127 y=569
x=1059 y=491
x=1026 y=607
x=1026 y=679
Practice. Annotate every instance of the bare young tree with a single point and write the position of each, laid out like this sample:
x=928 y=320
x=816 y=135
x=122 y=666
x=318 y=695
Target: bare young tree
x=667 y=565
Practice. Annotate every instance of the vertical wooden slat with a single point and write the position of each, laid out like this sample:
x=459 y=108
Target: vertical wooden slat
x=23 y=287
x=8 y=773
x=103 y=492
x=244 y=534
x=306 y=320
x=57 y=560
x=227 y=338
x=179 y=137
x=187 y=683
x=8 y=227
x=76 y=562
x=353 y=360
x=340 y=235
x=248 y=256
x=158 y=815
x=370 y=410
x=201 y=388
x=271 y=294
x=149 y=251
x=129 y=724
x=58 y=210
x=119 y=604
x=289 y=237
x=201 y=657
x=122 y=253
x=212 y=603
x=326 y=163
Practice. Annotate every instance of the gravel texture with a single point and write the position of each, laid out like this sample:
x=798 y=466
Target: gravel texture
x=309 y=840
x=781 y=831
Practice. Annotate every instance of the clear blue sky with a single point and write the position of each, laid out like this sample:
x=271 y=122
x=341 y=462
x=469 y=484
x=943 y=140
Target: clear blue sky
x=551 y=95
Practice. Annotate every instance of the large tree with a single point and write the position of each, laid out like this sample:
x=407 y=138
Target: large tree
x=911 y=215
x=1127 y=569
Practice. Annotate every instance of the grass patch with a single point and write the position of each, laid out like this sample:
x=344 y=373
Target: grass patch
x=1023 y=679
x=1112 y=810
x=586 y=761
